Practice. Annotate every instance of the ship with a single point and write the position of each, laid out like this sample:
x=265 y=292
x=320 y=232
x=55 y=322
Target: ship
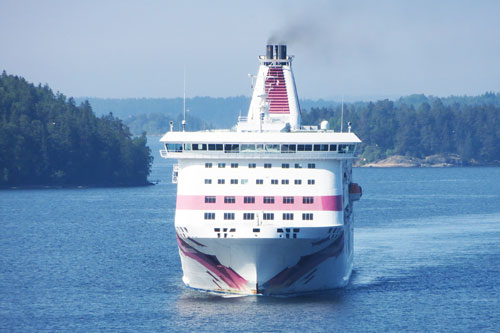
x=265 y=208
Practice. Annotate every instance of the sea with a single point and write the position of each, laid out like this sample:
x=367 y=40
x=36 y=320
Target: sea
x=427 y=258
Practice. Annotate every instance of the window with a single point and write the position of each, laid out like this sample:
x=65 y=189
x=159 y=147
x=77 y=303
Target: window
x=208 y=165
x=215 y=146
x=311 y=166
x=268 y=200
x=310 y=182
x=234 y=181
x=208 y=181
x=308 y=200
x=268 y=216
x=199 y=146
x=249 y=200
x=252 y=165
x=288 y=200
x=231 y=148
x=285 y=165
x=298 y=181
x=320 y=147
x=244 y=181
x=247 y=147
x=229 y=200
x=228 y=216
x=234 y=165
x=307 y=216
x=209 y=199
x=288 y=148
x=298 y=166
x=274 y=181
x=304 y=147
x=248 y=216
x=175 y=147
x=285 y=182
x=221 y=165
x=221 y=181
x=209 y=216
x=272 y=148
x=287 y=216
x=267 y=165
x=259 y=181
x=333 y=147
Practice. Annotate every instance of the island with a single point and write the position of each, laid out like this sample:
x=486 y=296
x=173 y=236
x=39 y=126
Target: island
x=48 y=140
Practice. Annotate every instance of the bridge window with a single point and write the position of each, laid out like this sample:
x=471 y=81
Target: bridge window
x=320 y=147
x=333 y=147
x=304 y=147
x=199 y=146
x=288 y=148
x=174 y=147
x=272 y=148
x=231 y=148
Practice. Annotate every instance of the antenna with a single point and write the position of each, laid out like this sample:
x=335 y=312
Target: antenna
x=184 y=120
x=342 y=115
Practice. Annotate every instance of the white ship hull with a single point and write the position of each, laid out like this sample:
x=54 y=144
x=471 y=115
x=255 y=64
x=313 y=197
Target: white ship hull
x=269 y=266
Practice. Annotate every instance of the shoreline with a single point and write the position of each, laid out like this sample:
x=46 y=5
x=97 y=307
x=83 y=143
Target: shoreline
x=58 y=187
x=432 y=161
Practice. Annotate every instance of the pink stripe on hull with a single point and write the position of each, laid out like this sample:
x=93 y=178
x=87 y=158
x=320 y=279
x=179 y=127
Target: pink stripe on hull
x=321 y=203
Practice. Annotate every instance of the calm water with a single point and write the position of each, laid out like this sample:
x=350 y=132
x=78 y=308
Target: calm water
x=427 y=249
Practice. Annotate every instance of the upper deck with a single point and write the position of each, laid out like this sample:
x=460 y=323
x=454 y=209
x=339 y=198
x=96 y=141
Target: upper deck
x=306 y=144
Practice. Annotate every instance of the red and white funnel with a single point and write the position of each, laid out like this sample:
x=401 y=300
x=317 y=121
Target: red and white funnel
x=275 y=104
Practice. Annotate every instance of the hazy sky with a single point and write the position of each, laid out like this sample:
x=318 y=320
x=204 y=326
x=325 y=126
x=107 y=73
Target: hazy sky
x=352 y=48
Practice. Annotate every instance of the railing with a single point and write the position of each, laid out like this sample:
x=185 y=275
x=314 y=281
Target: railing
x=261 y=155
x=163 y=153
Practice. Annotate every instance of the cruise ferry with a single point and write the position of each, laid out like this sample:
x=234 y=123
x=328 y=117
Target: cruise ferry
x=265 y=208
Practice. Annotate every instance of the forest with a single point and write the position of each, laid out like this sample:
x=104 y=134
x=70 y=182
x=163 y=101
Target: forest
x=47 y=140
x=418 y=126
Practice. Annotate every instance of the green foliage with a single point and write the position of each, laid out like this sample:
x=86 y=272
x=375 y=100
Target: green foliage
x=45 y=139
x=470 y=130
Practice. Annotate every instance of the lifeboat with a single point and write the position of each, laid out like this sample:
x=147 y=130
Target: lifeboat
x=355 y=192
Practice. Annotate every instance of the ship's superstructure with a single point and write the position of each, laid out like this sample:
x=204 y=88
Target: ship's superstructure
x=265 y=208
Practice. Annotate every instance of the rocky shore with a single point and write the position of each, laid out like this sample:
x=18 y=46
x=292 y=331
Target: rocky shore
x=436 y=161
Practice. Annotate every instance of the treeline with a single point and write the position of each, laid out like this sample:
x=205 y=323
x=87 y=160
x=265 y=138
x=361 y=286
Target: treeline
x=46 y=139
x=159 y=123
x=471 y=131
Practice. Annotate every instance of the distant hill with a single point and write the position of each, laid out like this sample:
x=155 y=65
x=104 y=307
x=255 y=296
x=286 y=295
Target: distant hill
x=153 y=114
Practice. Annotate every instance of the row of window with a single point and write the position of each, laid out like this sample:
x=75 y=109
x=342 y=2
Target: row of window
x=208 y=181
x=259 y=147
x=265 y=216
x=251 y=200
x=266 y=165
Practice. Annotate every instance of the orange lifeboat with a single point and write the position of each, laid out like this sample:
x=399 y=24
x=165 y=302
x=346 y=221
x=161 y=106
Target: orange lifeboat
x=355 y=192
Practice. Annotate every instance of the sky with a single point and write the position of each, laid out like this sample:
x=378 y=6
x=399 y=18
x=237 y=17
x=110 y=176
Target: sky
x=356 y=49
